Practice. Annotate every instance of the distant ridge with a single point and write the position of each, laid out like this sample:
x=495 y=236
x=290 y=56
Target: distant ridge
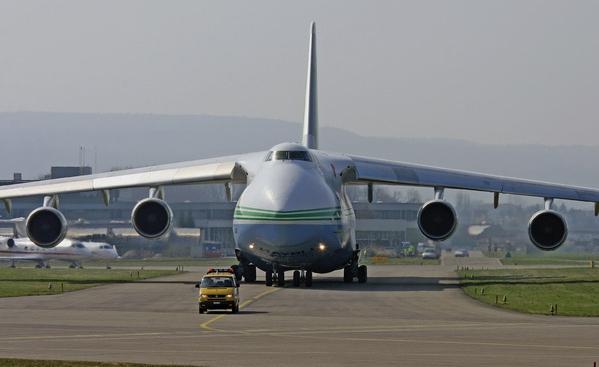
x=33 y=141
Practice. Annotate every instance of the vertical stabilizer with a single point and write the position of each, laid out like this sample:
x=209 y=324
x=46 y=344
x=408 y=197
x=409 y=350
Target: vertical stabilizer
x=19 y=230
x=310 y=135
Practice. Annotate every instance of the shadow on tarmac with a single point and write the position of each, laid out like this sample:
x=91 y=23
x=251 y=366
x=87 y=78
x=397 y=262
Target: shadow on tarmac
x=377 y=284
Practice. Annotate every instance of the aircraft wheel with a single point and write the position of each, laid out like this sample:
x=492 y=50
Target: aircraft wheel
x=72 y=266
x=348 y=275
x=236 y=271
x=308 y=279
x=268 y=278
x=296 y=278
x=281 y=278
x=362 y=274
x=250 y=274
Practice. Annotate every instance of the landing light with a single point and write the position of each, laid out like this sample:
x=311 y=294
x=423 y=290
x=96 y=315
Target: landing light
x=322 y=246
x=251 y=246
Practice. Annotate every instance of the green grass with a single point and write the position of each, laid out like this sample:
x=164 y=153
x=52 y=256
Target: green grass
x=551 y=259
x=31 y=282
x=35 y=363
x=574 y=290
x=379 y=260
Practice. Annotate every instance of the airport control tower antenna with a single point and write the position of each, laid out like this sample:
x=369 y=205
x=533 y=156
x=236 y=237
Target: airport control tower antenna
x=81 y=159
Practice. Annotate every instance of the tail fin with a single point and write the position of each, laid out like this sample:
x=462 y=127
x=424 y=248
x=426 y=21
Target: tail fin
x=19 y=229
x=310 y=135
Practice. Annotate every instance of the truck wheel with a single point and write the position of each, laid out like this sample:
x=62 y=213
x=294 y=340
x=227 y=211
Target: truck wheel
x=200 y=309
x=296 y=278
x=235 y=308
x=268 y=279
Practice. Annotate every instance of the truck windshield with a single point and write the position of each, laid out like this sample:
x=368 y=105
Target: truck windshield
x=213 y=282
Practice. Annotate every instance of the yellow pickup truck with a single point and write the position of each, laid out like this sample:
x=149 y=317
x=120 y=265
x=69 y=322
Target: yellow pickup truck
x=218 y=290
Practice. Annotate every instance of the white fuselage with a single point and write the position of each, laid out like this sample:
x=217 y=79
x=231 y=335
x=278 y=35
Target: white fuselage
x=295 y=214
x=67 y=250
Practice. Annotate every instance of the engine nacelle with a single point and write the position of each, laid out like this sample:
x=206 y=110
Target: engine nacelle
x=437 y=220
x=46 y=226
x=151 y=218
x=547 y=230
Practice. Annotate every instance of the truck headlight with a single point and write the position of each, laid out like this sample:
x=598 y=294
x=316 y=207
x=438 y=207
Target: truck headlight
x=204 y=296
x=229 y=296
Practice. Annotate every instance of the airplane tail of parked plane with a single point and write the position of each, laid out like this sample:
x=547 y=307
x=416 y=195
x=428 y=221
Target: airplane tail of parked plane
x=310 y=134
x=19 y=230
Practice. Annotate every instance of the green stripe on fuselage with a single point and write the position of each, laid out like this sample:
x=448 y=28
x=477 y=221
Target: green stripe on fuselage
x=312 y=214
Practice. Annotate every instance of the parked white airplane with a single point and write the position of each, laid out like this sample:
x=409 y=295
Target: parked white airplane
x=71 y=251
x=294 y=213
x=17 y=248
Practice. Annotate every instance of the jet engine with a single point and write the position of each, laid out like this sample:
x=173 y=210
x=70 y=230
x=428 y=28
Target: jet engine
x=437 y=220
x=46 y=226
x=151 y=218
x=547 y=230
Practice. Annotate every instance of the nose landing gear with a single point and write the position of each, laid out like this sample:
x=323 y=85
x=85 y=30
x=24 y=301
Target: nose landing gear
x=296 y=278
x=278 y=277
x=281 y=278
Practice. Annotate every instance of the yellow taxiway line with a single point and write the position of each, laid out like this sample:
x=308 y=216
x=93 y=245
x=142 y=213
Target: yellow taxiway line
x=206 y=325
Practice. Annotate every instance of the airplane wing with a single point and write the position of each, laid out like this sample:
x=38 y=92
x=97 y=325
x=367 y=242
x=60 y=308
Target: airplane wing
x=214 y=170
x=370 y=170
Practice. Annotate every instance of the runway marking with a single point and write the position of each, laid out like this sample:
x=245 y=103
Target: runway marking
x=206 y=325
x=464 y=343
x=41 y=337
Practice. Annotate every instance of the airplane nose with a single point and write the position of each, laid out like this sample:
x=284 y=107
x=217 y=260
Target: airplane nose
x=288 y=188
x=285 y=213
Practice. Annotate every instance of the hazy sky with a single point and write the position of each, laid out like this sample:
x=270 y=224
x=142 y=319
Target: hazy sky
x=500 y=72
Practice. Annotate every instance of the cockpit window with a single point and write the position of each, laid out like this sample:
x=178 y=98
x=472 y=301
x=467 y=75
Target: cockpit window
x=300 y=155
x=294 y=155
x=77 y=245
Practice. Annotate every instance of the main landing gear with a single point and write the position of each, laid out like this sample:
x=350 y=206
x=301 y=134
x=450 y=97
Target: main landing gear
x=353 y=270
x=245 y=271
x=278 y=278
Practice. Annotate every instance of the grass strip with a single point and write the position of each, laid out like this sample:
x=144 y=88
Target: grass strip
x=572 y=291
x=32 y=282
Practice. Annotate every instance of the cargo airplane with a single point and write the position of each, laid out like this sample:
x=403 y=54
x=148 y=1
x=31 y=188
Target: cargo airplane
x=295 y=214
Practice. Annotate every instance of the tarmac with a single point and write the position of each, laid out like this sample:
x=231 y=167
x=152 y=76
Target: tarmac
x=404 y=316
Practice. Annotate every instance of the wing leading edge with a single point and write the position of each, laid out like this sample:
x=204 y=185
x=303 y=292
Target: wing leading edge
x=370 y=170
x=215 y=170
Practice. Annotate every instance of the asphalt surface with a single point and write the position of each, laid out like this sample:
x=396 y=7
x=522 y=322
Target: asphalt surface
x=404 y=315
